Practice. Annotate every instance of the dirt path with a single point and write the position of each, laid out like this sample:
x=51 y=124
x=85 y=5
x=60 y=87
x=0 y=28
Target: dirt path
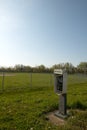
x=54 y=119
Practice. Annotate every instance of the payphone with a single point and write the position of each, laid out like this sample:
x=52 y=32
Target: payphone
x=60 y=81
x=60 y=85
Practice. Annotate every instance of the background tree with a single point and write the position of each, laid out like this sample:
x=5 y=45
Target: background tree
x=82 y=67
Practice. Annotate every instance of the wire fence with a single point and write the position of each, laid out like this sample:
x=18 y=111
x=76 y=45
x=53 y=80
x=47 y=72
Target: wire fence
x=25 y=80
x=31 y=80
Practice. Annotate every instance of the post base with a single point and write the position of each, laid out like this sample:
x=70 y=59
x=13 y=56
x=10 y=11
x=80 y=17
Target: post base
x=60 y=115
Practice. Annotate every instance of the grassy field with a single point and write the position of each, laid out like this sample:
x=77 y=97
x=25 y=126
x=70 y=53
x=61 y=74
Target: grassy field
x=23 y=106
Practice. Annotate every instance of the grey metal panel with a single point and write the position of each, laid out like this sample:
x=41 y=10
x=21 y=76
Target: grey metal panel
x=60 y=81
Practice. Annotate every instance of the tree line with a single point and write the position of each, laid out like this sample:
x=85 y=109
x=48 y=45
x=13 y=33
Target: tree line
x=70 y=68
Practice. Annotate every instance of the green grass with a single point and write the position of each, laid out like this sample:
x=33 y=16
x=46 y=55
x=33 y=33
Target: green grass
x=24 y=107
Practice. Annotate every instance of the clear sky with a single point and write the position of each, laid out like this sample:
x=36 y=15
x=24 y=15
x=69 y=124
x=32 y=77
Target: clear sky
x=34 y=32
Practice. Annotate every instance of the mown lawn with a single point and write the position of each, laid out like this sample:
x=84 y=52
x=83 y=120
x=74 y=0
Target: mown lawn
x=24 y=106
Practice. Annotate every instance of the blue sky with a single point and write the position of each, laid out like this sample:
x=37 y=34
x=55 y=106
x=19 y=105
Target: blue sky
x=34 y=32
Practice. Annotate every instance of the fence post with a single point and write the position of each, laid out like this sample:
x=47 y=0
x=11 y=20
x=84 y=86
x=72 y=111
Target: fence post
x=31 y=79
x=50 y=80
x=3 y=75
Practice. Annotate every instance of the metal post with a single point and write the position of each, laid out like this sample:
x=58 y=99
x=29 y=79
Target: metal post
x=3 y=81
x=49 y=80
x=31 y=79
x=62 y=104
x=62 y=113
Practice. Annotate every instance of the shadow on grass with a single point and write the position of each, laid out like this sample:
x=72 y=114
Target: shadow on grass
x=78 y=105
